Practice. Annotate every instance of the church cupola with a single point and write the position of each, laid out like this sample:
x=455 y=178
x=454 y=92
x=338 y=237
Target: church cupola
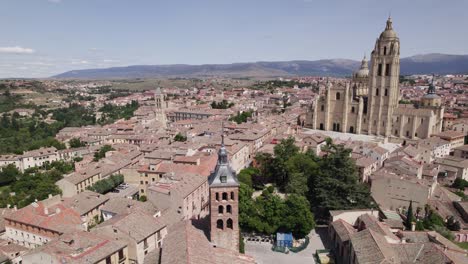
x=431 y=99
x=363 y=72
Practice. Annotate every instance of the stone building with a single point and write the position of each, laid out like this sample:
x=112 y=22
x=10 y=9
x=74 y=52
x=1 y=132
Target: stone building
x=369 y=103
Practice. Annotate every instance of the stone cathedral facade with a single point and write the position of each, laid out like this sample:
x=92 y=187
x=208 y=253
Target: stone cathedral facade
x=369 y=103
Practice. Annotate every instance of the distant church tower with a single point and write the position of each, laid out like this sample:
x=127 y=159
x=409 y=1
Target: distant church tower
x=224 y=203
x=384 y=93
x=161 y=105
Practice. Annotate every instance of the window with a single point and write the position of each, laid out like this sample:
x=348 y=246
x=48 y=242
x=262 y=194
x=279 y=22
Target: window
x=386 y=92
x=422 y=120
x=387 y=69
x=223 y=179
x=407 y=133
x=145 y=243
x=229 y=223
x=229 y=209
x=219 y=224
x=232 y=195
x=225 y=196
x=352 y=109
x=217 y=196
x=338 y=96
x=121 y=255
x=108 y=260
x=396 y=132
x=385 y=50
x=377 y=92
x=321 y=126
x=379 y=70
x=322 y=108
x=220 y=209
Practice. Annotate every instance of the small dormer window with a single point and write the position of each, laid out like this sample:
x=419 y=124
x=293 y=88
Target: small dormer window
x=223 y=179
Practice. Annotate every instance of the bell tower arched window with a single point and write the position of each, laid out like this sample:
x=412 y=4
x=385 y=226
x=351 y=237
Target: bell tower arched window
x=229 y=223
x=220 y=209
x=338 y=96
x=219 y=224
x=229 y=209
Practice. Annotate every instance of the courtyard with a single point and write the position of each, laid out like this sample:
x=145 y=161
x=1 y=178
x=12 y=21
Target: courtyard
x=264 y=255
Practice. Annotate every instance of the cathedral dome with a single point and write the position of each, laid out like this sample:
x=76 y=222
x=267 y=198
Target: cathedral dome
x=363 y=72
x=388 y=33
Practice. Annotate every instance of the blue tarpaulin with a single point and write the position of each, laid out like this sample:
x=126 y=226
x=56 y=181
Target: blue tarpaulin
x=284 y=240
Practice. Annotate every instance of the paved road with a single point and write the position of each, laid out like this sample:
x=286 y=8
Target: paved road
x=264 y=255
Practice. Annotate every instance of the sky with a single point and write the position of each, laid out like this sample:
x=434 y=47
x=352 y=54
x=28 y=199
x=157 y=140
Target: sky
x=41 y=38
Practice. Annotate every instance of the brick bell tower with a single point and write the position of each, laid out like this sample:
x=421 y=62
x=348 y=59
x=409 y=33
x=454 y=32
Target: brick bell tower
x=224 y=203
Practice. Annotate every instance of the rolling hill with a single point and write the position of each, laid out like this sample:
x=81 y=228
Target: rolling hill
x=419 y=64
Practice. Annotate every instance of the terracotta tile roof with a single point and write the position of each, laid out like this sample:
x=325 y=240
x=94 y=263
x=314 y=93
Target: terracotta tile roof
x=80 y=247
x=186 y=244
x=58 y=218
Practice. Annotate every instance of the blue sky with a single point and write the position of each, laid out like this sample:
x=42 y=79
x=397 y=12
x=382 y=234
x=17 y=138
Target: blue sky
x=40 y=38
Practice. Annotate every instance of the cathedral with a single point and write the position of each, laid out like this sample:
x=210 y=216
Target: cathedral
x=369 y=103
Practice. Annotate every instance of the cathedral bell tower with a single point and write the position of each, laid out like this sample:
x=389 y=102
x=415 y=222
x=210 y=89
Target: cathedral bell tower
x=384 y=93
x=224 y=203
x=160 y=107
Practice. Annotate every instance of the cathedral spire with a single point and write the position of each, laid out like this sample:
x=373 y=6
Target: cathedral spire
x=389 y=23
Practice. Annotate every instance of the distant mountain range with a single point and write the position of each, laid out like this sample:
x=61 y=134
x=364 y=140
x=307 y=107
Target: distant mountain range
x=420 y=64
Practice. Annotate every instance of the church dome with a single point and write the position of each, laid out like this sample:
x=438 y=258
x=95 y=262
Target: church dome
x=388 y=33
x=363 y=72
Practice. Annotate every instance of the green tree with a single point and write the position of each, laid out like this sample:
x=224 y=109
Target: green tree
x=102 y=152
x=297 y=216
x=245 y=175
x=9 y=174
x=409 y=216
x=180 y=138
x=76 y=143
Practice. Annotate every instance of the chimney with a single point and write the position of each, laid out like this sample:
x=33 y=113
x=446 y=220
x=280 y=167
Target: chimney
x=413 y=226
x=15 y=208
x=46 y=211
x=8 y=206
x=50 y=195
x=57 y=210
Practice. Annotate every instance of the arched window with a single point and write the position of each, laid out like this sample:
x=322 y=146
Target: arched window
x=232 y=195
x=407 y=133
x=396 y=132
x=225 y=196
x=385 y=50
x=377 y=92
x=321 y=126
x=351 y=129
x=219 y=224
x=220 y=209
x=352 y=109
x=229 y=209
x=338 y=95
x=386 y=92
x=229 y=223
x=217 y=196
x=322 y=108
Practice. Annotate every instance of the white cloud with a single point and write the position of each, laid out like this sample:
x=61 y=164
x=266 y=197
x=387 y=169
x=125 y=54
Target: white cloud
x=16 y=50
x=74 y=62
x=109 y=61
